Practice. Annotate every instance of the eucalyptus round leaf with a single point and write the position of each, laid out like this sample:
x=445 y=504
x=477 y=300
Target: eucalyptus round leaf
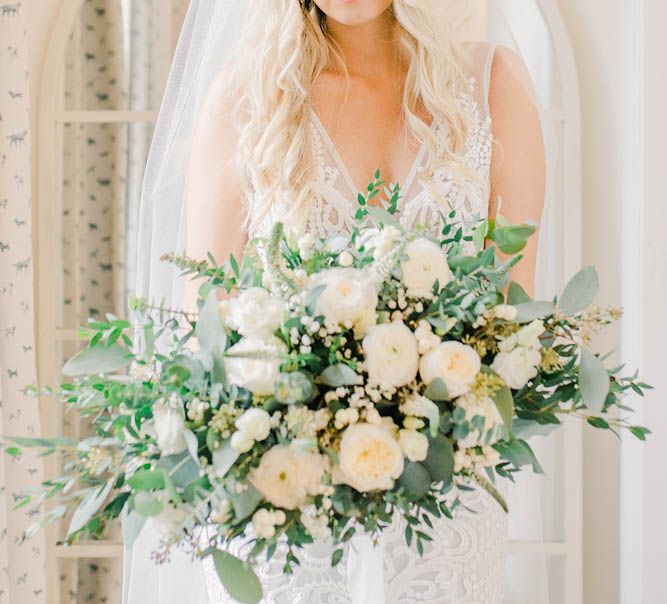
x=529 y=311
x=440 y=459
x=238 y=578
x=340 y=375
x=512 y=239
x=415 y=480
x=580 y=291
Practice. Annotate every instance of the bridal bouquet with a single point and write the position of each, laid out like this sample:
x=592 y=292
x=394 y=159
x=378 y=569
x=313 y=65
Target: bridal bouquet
x=337 y=383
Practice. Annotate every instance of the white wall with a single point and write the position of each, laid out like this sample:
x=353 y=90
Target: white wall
x=620 y=48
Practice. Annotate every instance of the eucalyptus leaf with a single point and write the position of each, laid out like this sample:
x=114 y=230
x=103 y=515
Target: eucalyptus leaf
x=193 y=445
x=237 y=577
x=98 y=359
x=245 y=502
x=529 y=311
x=517 y=295
x=224 y=457
x=89 y=506
x=182 y=469
x=524 y=428
x=209 y=330
x=594 y=381
x=340 y=375
x=504 y=402
x=383 y=217
x=512 y=239
x=147 y=480
x=312 y=296
x=519 y=453
x=437 y=391
x=440 y=459
x=580 y=291
x=147 y=504
x=415 y=480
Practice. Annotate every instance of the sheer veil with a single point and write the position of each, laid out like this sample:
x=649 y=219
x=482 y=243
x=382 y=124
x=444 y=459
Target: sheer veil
x=211 y=33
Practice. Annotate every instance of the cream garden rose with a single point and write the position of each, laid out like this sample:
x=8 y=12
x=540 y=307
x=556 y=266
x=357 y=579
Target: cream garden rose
x=456 y=364
x=255 y=313
x=349 y=299
x=392 y=355
x=426 y=264
x=257 y=366
x=286 y=476
x=370 y=458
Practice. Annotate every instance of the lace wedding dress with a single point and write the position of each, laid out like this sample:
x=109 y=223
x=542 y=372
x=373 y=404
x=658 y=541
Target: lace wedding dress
x=464 y=564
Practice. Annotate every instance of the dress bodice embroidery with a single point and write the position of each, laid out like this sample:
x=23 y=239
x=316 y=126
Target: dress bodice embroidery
x=464 y=564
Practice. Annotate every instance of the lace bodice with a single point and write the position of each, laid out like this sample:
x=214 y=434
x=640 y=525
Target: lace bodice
x=464 y=564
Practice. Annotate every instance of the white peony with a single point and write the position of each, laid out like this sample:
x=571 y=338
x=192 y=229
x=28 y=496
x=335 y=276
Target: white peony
x=286 y=476
x=258 y=365
x=349 y=299
x=254 y=313
x=169 y=425
x=413 y=444
x=392 y=355
x=370 y=458
x=517 y=366
x=486 y=408
x=456 y=364
x=426 y=264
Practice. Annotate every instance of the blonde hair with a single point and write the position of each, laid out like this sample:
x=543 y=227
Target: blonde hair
x=273 y=104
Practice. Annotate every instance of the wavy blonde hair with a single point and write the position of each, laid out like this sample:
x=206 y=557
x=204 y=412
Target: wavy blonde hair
x=273 y=104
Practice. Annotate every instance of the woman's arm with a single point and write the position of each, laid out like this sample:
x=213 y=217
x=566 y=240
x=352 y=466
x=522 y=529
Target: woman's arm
x=518 y=165
x=214 y=208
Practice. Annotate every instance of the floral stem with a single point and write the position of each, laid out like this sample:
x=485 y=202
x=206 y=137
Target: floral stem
x=487 y=486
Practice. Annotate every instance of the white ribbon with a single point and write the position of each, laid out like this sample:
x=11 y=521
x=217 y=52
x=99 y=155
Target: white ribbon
x=365 y=575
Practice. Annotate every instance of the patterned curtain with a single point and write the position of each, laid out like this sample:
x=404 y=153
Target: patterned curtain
x=22 y=576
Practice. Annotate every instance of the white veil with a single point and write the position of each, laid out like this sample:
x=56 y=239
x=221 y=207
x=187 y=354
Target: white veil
x=211 y=32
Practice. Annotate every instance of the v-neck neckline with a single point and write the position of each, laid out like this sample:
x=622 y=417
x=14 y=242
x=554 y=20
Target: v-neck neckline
x=346 y=173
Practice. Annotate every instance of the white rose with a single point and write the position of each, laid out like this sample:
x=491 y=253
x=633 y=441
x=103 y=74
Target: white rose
x=426 y=264
x=254 y=313
x=413 y=444
x=349 y=299
x=456 y=364
x=529 y=335
x=370 y=458
x=392 y=355
x=169 y=424
x=255 y=422
x=286 y=476
x=485 y=408
x=517 y=366
x=258 y=365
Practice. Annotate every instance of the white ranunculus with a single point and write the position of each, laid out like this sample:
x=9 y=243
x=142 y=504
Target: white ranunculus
x=169 y=424
x=413 y=444
x=370 y=458
x=517 y=366
x=349 y=299
x=456 y=364
x=258 y=365
x=286 y=476
x=255 y=422
x=426 y=264
x=392 y=355
x=483 y=407
x=529 y=335
x=255 y=313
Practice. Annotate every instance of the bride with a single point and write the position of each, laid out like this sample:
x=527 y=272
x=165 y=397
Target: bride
x=316 y=96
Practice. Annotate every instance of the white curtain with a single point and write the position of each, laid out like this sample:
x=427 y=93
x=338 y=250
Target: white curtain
x=22 y=574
